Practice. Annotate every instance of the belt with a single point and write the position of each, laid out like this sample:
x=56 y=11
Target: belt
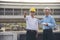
x=31 y=30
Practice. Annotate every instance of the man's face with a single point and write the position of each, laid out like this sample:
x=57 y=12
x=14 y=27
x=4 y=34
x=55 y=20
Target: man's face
x=47 y=11
x=32 y=13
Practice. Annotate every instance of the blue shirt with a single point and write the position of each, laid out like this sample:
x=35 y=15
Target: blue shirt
x=50 y=20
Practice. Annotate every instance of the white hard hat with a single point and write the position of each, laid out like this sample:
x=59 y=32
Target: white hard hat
x=47 y=8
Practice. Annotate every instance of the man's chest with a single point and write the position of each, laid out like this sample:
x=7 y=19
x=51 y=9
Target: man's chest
x=47 y=20
x=32 y=20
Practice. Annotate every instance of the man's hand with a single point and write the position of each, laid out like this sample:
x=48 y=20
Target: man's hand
x=37 y=34
x=46 y=24
x=24 y=14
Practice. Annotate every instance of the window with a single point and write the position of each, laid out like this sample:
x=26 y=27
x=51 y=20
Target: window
x=8 y=11
x=1 y=11
x=17 y=11
x=27 y=11
x=36 y=12
x=57 y=12
x=40 y=12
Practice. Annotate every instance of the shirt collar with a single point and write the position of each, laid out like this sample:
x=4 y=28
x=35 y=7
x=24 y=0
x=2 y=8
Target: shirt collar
x=47 y=16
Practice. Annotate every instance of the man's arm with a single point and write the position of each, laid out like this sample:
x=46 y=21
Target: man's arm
x=52 y=24
x=40 y=21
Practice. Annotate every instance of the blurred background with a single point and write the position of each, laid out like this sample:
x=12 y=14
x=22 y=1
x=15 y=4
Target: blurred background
x=11 y=13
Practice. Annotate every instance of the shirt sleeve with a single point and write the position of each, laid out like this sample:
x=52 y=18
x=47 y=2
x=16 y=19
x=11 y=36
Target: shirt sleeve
x=40 y=21
x=52 y=23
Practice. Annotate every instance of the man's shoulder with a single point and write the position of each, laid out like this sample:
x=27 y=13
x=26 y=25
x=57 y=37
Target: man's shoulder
x=36 y=19
x=51 y=16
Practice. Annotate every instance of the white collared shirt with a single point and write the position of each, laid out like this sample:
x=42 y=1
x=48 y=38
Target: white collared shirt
x=31 y=23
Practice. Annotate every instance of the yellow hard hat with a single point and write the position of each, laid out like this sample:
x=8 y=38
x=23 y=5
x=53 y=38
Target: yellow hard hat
x=32 y=9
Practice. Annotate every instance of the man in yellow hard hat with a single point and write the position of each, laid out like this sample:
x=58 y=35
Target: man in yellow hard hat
x=32 y=25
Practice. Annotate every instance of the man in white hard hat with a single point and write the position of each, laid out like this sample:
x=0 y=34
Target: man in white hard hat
x=48 y=23
x=32 y=25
